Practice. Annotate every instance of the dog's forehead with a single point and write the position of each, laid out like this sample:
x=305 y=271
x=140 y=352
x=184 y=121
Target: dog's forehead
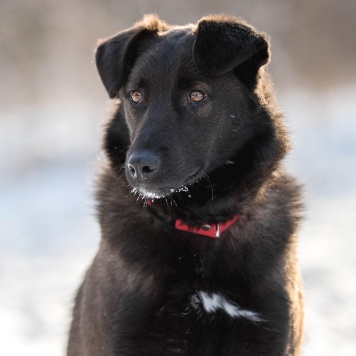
x=167 y=58
x=173 y=46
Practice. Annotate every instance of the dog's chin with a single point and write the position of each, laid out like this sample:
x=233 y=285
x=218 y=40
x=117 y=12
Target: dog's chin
x=153 y=194
x=159 y=193
x=150 y=194
x=163 y=192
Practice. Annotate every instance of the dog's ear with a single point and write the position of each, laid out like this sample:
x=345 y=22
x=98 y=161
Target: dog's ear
x=115 y=56
x=223 y=44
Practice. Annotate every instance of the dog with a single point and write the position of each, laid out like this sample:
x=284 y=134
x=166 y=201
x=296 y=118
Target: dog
x=198 y=218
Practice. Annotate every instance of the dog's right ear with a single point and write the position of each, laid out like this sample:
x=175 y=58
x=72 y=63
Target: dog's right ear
x=225 y=43
x=115 y=56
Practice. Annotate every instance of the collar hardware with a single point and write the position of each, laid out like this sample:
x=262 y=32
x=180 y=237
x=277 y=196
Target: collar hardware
x=206 y=227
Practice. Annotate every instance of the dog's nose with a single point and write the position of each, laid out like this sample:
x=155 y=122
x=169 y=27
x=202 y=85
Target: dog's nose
x=143 y=164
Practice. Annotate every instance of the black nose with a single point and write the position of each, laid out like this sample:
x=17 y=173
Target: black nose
x=143 y=164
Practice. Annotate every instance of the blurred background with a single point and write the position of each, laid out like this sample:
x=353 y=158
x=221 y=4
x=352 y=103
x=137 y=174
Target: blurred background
x=52 y=105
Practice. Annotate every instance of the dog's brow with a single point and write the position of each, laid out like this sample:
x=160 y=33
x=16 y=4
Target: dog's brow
x=140 y=82
x=186 y=83
x=189 y=75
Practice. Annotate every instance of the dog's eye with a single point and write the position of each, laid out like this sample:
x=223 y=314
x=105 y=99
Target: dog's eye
x=196 y=96
x=136 y=96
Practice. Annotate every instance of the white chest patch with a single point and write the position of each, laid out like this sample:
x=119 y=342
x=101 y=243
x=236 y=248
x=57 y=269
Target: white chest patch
x=213 y=302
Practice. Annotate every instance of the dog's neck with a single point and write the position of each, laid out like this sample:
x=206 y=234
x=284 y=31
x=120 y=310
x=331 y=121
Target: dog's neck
x=206 y=229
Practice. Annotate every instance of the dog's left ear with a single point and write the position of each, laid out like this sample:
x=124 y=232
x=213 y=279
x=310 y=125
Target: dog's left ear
x=115 y=56
x=225 y=44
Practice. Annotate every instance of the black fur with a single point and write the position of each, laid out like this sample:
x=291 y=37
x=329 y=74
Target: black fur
x=203 y=162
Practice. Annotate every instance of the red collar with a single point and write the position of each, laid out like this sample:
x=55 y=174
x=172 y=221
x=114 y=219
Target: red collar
x=211 y=230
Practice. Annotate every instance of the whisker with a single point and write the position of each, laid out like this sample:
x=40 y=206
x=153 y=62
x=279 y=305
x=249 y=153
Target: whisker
x=172 y=200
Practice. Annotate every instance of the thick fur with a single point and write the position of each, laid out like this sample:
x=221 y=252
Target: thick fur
x=203 y=162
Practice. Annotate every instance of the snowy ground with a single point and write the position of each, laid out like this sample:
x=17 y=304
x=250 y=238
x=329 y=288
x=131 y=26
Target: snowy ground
x=49 y=233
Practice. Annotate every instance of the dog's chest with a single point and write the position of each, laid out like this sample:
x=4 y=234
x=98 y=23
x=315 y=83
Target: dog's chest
x=202 y=311
x=202 y=322
x=201 y=306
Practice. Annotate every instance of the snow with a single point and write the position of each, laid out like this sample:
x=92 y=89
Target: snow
x=49 y=233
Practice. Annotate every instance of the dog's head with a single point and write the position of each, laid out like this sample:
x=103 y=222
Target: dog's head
x=189 y=103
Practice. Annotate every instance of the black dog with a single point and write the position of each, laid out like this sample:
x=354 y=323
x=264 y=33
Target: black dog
x=198 y=219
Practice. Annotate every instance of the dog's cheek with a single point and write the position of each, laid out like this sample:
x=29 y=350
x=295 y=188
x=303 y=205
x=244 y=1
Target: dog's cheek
x=131 y=119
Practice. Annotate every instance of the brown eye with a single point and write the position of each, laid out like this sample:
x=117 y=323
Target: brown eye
x=196 y=96
x=136 y=96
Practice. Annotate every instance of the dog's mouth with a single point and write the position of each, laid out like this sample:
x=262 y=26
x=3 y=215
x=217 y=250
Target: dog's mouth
x=164 y=192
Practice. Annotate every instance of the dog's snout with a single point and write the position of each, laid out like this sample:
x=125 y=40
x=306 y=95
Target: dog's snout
x=143 y=164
